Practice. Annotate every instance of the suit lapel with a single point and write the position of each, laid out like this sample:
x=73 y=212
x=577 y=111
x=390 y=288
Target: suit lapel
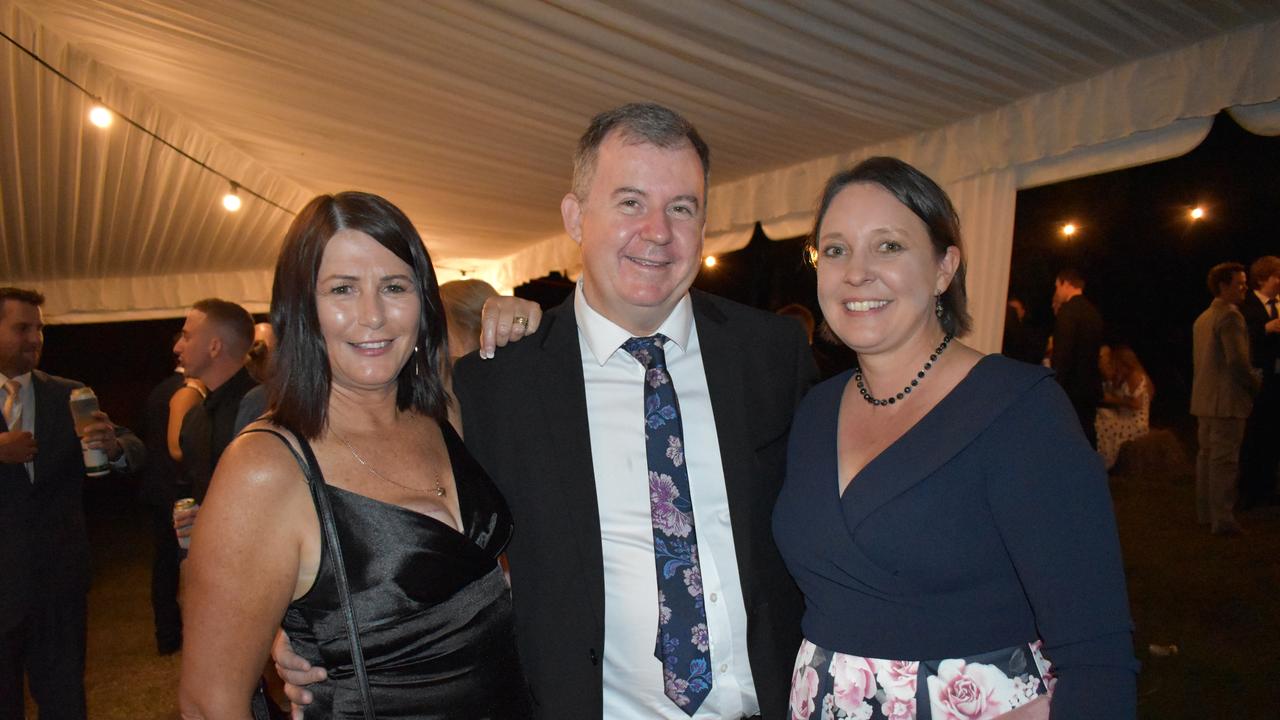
x=46 y=429
x=722 y=361
x=562 y=395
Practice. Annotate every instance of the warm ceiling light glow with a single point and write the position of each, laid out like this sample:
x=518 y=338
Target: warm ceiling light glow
x=1197 y=212
x=710 y=261
x=231 y=201
x=100 y=116
x=1069 y=229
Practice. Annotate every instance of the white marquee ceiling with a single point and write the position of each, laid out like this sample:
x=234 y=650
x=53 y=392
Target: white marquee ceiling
x=465 y=113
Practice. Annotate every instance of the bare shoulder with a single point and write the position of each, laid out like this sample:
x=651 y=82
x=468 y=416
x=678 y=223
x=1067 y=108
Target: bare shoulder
x=262 y=462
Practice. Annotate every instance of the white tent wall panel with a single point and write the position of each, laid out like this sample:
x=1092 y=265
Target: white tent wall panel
x=1145 y=111
x=150 y=297
x=454 y=94
x=65 y=247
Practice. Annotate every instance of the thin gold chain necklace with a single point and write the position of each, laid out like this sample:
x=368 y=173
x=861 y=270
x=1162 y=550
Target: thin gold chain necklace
x=440 y=491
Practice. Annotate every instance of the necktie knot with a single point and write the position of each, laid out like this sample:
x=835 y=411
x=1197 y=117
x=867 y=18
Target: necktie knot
x=13 y=387
x=647 y=350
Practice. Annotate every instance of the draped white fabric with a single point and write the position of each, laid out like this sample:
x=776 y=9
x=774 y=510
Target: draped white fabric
x=1143 y=112
x=465 y=112
x=1260 y=119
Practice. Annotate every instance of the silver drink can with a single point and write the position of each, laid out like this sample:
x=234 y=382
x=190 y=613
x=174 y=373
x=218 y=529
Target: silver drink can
x=83 y=405
x=178 y=506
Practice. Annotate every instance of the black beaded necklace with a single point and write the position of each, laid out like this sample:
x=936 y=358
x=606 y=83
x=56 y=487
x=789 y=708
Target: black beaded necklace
x=866 y=394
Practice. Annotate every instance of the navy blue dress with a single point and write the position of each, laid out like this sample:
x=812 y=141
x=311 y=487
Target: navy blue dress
x=985 y=531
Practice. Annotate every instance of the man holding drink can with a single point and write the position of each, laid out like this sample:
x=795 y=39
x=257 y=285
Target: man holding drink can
x=44 y=557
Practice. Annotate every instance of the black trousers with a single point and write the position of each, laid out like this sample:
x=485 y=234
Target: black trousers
x=1260 y=451
x=1087 y=411
x=48 y=647
x=164 y=580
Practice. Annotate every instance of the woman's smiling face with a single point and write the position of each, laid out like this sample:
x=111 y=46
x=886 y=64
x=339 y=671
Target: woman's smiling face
x=878 y=271
x=369 y=310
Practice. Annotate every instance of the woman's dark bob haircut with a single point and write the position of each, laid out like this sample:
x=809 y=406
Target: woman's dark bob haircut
x=922 y=196
x=299 y=389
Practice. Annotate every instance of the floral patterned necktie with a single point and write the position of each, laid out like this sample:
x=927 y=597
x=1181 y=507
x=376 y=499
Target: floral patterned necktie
x=683 y=643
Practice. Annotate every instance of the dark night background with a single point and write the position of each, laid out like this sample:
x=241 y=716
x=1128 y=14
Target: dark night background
x=1143 y=260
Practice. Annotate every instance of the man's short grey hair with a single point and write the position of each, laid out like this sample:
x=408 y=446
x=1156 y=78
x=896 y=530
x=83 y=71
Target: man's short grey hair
x=642 y=123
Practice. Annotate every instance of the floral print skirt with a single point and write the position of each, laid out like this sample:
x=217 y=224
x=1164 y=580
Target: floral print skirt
x=829 y=685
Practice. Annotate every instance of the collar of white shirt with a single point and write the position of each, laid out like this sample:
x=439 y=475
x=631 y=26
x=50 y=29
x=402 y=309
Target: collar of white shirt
x=604 y=337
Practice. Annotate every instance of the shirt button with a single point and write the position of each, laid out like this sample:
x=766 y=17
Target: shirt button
x=724 y=667
x=712 y=597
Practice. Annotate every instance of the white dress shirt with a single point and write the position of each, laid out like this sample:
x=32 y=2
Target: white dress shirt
x=633 y=679
x=27 y=418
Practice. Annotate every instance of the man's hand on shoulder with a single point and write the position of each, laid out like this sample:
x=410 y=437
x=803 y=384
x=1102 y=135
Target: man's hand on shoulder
x=505 y=319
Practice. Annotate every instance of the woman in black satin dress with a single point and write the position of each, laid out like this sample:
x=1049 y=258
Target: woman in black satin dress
x=357 y=387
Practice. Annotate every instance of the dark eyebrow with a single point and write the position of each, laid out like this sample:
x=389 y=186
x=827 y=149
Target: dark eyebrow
x=397 y=276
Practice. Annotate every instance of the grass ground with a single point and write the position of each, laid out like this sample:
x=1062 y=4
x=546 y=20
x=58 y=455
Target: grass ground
x=1216 y=599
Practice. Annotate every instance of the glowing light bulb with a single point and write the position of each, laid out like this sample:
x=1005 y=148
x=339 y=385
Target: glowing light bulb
x=1069 y=229
x=1197 y=212
x=710 y=261
x=231 y=201
x=100 y=116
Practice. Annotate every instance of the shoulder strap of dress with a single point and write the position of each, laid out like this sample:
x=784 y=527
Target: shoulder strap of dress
x=315 y=480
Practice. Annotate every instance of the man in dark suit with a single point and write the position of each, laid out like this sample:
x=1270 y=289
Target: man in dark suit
x=1077 y=338
x=44 y=553
x=1260 y=451
x=157 y=491
x=559 y=422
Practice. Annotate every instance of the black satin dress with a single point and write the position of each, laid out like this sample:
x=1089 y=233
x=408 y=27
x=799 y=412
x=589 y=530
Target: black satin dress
x=434 y=610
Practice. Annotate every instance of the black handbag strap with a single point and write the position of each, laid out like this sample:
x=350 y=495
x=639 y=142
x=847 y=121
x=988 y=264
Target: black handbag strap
x=311 y=469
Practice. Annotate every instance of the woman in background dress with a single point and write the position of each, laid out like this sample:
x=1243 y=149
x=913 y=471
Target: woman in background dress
x=1125 y=413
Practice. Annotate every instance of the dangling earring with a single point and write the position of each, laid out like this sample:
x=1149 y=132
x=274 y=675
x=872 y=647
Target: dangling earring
x=937 y=305
x=417 y=367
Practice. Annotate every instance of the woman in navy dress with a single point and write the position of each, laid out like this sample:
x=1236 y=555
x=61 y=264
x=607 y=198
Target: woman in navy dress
x=946 y=519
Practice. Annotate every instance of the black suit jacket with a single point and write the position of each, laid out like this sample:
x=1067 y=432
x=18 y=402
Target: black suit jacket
x=1263 y=348
x=1077 y=338
x=44 y=550
x=161 y=476
x=525 y=416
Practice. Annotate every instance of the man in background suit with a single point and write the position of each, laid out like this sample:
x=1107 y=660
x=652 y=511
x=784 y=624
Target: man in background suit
x=157 y=491
x=1077 y=338
x=1222 y=391
x=559 y=422
x=212 y=348
x=44 y=548
x=1260 y=451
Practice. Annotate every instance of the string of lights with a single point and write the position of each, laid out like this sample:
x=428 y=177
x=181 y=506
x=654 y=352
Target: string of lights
x=102 y=114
